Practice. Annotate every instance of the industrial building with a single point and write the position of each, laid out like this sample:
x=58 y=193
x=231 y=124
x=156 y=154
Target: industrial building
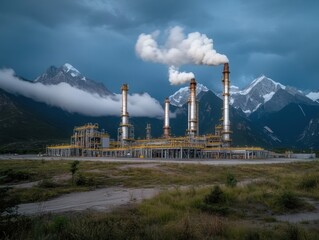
x=87 y=140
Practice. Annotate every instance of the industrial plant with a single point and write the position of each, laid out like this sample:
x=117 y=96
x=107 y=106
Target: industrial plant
x=89 y=141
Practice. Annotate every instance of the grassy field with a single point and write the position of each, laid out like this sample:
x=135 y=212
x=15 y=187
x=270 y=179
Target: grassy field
x=202 y=202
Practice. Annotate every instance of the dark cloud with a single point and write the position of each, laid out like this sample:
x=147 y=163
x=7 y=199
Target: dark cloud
x=275 y=38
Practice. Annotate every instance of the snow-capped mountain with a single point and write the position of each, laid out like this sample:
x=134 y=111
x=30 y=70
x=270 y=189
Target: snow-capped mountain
x=314 y=96
x=69 y=74
x=180 y=97
x=267 y=94
x=255 y=94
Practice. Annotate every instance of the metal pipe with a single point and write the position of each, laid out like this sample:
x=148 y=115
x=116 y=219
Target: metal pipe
x=148 y=131
x=193 y=110
x=188 y=115
x=226 y=121
x=125 y=122
x=166 y=127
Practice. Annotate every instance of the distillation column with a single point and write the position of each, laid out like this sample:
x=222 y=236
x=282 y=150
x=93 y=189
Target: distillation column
x=125 y=122
x=148 y=131
x=192 y=131
x=226 y=122
x=166 y=127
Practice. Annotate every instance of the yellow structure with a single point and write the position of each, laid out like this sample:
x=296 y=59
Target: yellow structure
x=87 y=140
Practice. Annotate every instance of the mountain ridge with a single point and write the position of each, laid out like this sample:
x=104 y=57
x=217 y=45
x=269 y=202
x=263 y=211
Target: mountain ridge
x=264 y=127
x=70 y=75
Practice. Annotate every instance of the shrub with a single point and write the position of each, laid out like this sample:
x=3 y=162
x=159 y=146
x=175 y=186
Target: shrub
x=74 y=168
x=252 y=235
x=59 y=224
x=214 y=202
x=215 y=196
x=309 y=182
x=231 y=181
x=80 y=180
x=288 y=201
x=47 y=183
x=11 y=175
x=7 y=203
x=293 y=232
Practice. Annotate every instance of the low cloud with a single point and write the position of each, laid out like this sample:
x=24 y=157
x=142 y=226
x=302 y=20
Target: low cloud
x=75 y=100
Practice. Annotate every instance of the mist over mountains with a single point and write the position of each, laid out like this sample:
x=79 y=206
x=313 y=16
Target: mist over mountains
x=66 y=88
x=264 y=113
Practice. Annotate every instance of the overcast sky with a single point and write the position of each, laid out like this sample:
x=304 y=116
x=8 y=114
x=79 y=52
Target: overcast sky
x=276 y=38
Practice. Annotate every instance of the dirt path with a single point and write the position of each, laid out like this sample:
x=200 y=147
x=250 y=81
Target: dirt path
x=301 y=217
x=104 y=199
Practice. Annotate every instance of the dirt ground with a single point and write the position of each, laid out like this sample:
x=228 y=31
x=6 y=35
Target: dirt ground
x=105 y=199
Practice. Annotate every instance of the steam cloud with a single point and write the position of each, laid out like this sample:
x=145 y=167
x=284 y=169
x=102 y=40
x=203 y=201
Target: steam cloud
x=178 y=50
x=176 y=77
x=75 y=100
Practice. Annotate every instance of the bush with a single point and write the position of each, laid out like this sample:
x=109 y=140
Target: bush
x=81 y=180
x=293 y=232
x=59 y=224
x=231 y=181
x=288 y=201
x=215 y=196
x=7 y=203
x=214 y=202
x=252 y=235
x=11 y=175
x=309 y=182
x=47 y=183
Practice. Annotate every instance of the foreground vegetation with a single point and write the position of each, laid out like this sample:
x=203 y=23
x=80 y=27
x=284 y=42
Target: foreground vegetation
x=202 y=202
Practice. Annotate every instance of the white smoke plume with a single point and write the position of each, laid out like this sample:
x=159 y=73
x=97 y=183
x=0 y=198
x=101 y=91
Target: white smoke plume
x=176 y=77
x=75 y=100
x=179 y=49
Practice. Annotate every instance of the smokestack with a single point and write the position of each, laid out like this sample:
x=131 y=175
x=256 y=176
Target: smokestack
x=125 y=123
x=148 y=131
x=166 y=127
x=226 y=122
x=192 y=109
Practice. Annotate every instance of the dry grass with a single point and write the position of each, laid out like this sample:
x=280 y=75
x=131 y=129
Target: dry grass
x=177 y=213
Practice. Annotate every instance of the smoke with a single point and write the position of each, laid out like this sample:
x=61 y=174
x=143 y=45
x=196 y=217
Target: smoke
x=176 y=77
x=178 y=49
x=75 y=100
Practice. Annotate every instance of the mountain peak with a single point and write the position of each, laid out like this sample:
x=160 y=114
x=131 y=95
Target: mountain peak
x=314 y=96
x=258 y=92
x=262 y=81
x=70 y=75
x=180 y=97
x=68 y=68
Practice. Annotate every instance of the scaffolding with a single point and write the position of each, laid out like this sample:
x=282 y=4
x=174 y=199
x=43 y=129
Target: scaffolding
x=87 y=140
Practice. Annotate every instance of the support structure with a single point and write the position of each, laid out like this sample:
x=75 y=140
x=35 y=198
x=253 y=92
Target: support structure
x=166 y=127
x=226 y=122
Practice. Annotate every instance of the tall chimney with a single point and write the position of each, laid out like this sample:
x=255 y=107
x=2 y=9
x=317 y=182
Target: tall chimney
x=193 y=109
x=125 y=123
x=148 y=131
x=226 y=122
x=166 y=127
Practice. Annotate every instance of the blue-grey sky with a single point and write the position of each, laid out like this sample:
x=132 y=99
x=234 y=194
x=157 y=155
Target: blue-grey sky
x=276 y=38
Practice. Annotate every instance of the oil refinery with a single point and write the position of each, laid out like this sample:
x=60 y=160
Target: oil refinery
x=89 y=141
